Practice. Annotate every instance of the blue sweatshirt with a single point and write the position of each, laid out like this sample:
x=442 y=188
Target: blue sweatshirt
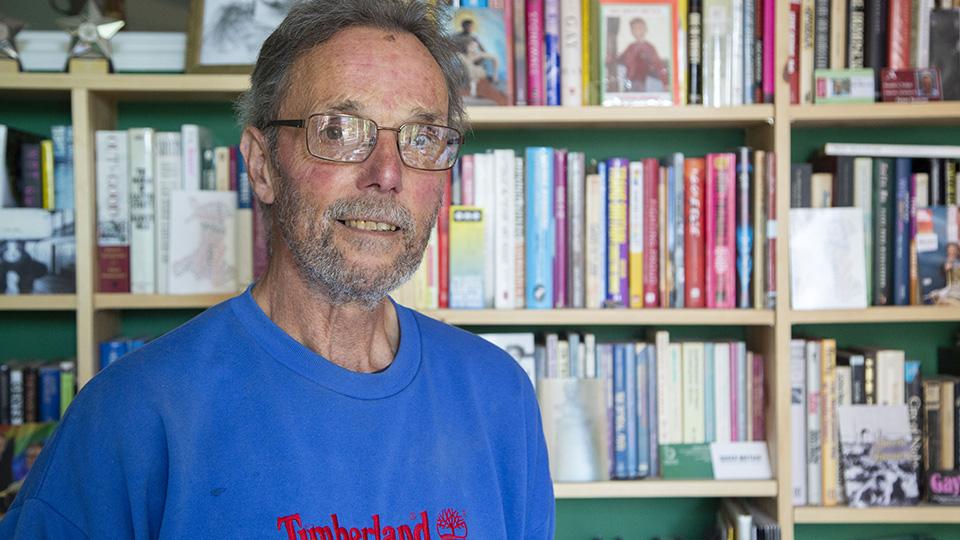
x=229 y=428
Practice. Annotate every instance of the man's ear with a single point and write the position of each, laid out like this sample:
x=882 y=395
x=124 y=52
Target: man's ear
x=256 y=154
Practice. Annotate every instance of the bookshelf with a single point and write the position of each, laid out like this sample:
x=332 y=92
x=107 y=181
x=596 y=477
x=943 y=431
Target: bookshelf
x=94 y=102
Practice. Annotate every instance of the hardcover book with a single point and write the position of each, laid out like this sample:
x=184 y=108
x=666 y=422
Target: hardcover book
x=466 y=257
x=638 y=42
x=37 y=251
x=827 y=264
x=938 y=254
x=202 y=242
x=479 y=34
x=878 y=456
x=945 y=49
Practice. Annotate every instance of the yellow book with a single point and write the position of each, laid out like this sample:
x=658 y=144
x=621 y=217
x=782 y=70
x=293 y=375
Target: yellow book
x=635 y=243
x=46 y=169
x=682 y=53
x=587 y=46
x=830 y=446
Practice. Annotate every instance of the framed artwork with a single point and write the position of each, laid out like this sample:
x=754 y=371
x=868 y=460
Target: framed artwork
x=224 y=36
x=638 y=42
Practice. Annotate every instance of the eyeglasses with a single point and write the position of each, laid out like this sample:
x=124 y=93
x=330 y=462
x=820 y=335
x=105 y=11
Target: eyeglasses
x=351 y=139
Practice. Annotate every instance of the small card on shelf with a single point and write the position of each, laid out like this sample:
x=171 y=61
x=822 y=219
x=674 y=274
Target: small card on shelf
x=907 y=85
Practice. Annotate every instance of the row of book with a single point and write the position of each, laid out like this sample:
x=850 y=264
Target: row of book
x=36 y=171
x=911 y=38
x=157 y=186
x=611 y=52
x=898 y=214
x=113 y=349
x=610 y=407
x=867 y=428
x=36 y=391
x=540 y=230
x=744 y=519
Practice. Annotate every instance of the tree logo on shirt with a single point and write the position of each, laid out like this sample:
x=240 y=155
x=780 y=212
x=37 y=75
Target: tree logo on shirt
x=451 y=525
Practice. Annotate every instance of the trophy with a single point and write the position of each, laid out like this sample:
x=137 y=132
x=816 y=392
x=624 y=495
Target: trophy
x=9 y=57
x=90 y=50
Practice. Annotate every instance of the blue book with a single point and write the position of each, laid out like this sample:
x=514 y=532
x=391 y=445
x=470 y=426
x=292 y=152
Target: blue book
x=630 y=355
x=643 y=416
x=618 y=239
x=244 y=193
x=744 y=230
x=620 y=411
x=111 y=351
x=135 y=343
x=901 y=232
x=473 y=3
x=551 y=39
x=62 y=137
x=709 y=394
x=652 y=410
x=605 y=370
x=48 y=389
x=679 y=272
x=541 y=224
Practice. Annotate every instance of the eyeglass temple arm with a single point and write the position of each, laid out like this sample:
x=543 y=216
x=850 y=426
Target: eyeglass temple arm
x=287 y=123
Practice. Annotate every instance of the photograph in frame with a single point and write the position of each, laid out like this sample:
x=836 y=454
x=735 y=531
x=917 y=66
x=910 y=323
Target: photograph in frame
x=638 y=48
x=225 y=35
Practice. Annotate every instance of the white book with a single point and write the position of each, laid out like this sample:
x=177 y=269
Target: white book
x=890 y=377
x=203 y=242
x=590 y=356
x=169 y=170
x=195 y=141
x=485 y=197
x=921 y=29
x=806 y=52
x=827 y=266
x=798 y=420
x=892 y=150
x=576 y=237
x=814 y=445
x=113 y=189
x=596 y=231
x=694 y=426
x=721 y=393
x=571 y=53
x=863 y=199
x=143 y=278
x=665 y=393
x=520 y=241
x=844 y=385
x=505 y=253
x=635 y=232
x=717 y=51
x=737 y=49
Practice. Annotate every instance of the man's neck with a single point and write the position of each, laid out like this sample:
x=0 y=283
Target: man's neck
x=352 y=336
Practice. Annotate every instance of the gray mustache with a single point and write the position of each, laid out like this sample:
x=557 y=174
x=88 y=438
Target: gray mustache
x=371 y=210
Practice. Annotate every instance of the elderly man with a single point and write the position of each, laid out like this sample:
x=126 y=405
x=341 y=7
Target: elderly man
x=312 y=406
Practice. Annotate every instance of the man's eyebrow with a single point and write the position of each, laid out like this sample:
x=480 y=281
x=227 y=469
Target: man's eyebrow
x=427 y=116
x=346 y=106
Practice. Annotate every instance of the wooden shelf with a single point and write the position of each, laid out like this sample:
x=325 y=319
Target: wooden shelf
x=157 y=301
x=878 y=114
x=908 y=514
x=38 y=302
x=665 y=488
x=605 y=117
x=891 y=314
x=605 y=317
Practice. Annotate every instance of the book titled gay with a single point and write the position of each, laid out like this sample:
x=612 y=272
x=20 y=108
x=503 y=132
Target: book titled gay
x=877 y=455
x=203 y=242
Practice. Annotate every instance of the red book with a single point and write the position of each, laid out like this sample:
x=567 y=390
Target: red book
x=758 y=398
x=768 y=38
x=793 y=50
x=234 y=150
x=114 y=268
x=536 y=84
x=560 y=230
x=770 y=168
x=898 y=34
x=651 y=233
x=508 y=32
x=259 y=242
x=443 y=244
x=721 y=218
x=693 y=246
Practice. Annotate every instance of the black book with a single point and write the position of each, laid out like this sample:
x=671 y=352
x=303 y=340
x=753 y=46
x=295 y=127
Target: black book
x=883 y=202
x=931 y=424
x=694 y=51
x=800 y=194
x=937 y=187
x=841 y=167
x=945 y=49
x=855 y=33
x=30 y=395
x=4 y=394
x=821 y=34
x=875 y=38
x=11 y=158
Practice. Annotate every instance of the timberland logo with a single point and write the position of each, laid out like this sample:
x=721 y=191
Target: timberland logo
x=450 y=525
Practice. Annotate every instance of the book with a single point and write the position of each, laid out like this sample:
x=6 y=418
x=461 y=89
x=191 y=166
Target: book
x=140 y=161
x=814 y=413
x=560 y=266
x=62 y=137
x=635 y=231
x=878 y=456
x=505 y=237
x=540 y=224
x=694 y=263
x=479 y=34
x=202 y=242
x=196 y=142
x=944 y=37
x=113 y=212
x=720 y=237
x=536 y=90
x=571 y=53
x=938 y=252
x=466 y=257
x=169 y=170
x=39 y=251
x=641 y=62
x=717 y=53
x=798 y=421
x=576 y=237
x=651 y=236
x=551 y=50
x=827 y=266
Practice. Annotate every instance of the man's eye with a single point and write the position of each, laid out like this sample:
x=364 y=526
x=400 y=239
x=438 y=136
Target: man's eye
x=334 y=133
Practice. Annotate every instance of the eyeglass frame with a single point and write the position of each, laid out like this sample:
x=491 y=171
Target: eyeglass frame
x=302 y=124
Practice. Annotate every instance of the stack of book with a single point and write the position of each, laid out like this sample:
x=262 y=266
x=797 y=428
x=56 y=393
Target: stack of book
x=546 y=230
x=37 y=240
x=174 y=214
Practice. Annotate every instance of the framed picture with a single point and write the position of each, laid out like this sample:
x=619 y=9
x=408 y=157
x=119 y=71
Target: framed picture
x=638 y=48
x=224 y=36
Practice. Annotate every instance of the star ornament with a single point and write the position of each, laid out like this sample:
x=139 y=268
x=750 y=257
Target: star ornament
x=91 y=32
x=9 y=27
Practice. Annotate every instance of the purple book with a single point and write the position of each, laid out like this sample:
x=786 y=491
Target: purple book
x=769 y=42
x=560 y=214
x=535 y=53
x=618 y=245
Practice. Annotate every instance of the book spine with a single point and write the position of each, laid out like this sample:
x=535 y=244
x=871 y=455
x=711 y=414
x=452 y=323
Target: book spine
x=856 y=28
x=901 y=233
x=807 y=49
x=48 y=193
x=858 y=395
x=536 y=93
x=618 y=287
x=48 y=393
x=643 y=412
x=814 y=444
x=759 y=219
x=735 y=390
x=221 y=168
x=793 y=50
x=571 y=54
x=920 y=34
x=168 y=169
x=664 y=251
x=540 y=228
x=16 y=396
x=519 y=13
x=63 y=166
x=467 y=171
x=749 y=24
x=770 y=181
x=576 y=214
x=899 y=23
x=717 y=53
x=142 y=218
x=113 y=212
x=838 y=34
x=694 y=53
x=596 y=239
x=883 y=204
x=875 y=38
x=633 y=441
x=651 y=228
x=724 y=253
x=694 y=265
x=520 y=240
x=620 y=410
x=870 y=378
x=560 y=216
x=721 y=394
x=956 y=427
x=635 y=208
x=768 y=50
x=830 y=448
x=679 y=284
x=68 y=384
x=913 y=279
x=737 y=66
x=744 y=230
x=504 y=226
x=947 y=451
x=551 y=39
x=821 y=28
x=743 y=390
x=4 y=394
x=798 y=421
x=669 y=236
x=30 y=394
x=694 y=429
x=653 y=407
x=486 y=198
x=758 y=397
x=710 y=244
x=665 y=393
x=914 y=398
x=192 y=148
x=931 y=424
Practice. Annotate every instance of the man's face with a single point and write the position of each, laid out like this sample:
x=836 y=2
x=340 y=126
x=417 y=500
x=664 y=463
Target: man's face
x=639 y=30
x=324 y=210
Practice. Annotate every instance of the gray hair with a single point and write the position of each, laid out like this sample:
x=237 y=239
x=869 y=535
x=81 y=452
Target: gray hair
x=313 y=22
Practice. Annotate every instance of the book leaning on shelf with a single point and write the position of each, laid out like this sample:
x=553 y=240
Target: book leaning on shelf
x=611 y=409
x=544 y=229
x=174 y=213
x=37 y=243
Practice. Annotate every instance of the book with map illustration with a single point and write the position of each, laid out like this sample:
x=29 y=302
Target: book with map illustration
x=203 y=242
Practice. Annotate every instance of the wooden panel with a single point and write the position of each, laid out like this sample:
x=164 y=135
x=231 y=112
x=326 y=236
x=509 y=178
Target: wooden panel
x=157 y=301
x=843 y=514
x=885 y=314
x=875 y=114
x=38 y=302
x=665 y=488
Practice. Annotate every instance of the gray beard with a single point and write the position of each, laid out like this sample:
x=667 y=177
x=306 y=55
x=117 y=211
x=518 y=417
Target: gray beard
x=324 y=266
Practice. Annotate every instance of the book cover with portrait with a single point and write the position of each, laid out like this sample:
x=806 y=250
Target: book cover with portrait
x=638 y=42
x=480 y=38
x=37 y=251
